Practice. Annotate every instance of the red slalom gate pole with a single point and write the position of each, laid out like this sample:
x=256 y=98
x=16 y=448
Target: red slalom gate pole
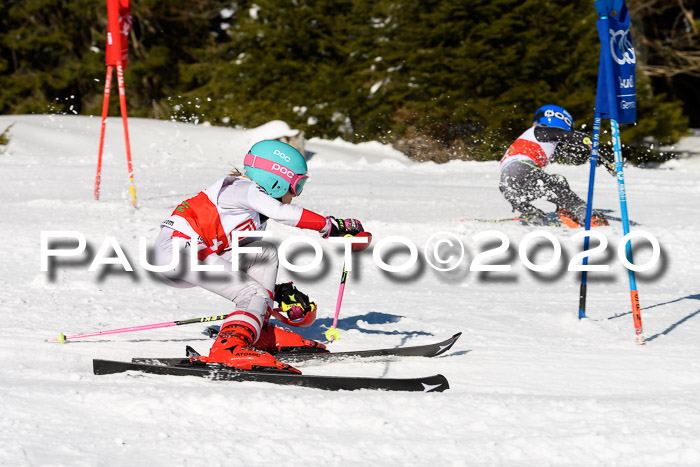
x=122 y=106
x=105 y=111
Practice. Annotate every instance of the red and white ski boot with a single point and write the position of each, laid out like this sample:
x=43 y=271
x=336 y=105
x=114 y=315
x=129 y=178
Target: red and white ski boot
x=274 y=339
x=568 y=219
x=233 y=348
x=572 y=221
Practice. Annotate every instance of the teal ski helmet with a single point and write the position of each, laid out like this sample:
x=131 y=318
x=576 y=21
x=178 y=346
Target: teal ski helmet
x=553 y=115
x=277 y=167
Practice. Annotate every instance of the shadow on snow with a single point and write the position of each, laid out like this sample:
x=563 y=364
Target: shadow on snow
x=674 y=325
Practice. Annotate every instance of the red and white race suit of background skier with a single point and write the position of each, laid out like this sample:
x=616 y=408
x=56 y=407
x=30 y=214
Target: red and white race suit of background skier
x=523 y=179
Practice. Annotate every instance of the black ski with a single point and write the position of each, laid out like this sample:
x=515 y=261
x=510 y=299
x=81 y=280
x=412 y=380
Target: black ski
x=428 y=350
x=436 y=383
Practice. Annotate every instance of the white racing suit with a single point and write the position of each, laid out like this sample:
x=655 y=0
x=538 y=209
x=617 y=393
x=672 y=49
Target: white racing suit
x=205 y=222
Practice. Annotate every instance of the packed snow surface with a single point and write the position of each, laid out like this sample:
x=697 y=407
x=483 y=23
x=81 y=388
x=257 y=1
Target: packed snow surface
x=531 y=384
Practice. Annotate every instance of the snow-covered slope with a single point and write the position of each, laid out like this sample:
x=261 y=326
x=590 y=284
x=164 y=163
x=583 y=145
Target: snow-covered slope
x=530 y=383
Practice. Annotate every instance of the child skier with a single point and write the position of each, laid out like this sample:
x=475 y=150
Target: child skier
x=275 y=173
x=523 y=180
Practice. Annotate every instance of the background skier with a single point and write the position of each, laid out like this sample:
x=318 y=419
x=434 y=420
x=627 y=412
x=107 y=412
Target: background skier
x=523 y=180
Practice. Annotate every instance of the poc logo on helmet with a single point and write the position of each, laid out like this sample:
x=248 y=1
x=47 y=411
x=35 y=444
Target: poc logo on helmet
x=283 y=170
x=282 y=155
x=559 y=115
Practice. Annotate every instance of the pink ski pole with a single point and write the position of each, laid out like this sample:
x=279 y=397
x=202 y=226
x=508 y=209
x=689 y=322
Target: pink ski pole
x=62 y=338
x=333 y=333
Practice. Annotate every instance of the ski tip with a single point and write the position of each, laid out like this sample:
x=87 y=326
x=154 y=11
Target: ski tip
x=448 y=344
x=437 y=383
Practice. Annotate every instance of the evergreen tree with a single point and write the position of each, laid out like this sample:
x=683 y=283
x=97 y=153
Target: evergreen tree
x=167 y=39
x=439 y=79
x=48 y=52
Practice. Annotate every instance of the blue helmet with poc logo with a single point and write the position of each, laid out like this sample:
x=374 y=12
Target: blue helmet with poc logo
x=277 y=167
x=553 y=115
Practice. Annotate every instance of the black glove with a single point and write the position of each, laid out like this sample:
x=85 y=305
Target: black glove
x=607 y=160
x=296 y=304
x=341 y=227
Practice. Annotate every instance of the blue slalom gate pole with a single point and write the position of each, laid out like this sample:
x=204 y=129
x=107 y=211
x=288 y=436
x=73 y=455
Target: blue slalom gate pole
x=634 y=294
x=616 y=99
x=589 y=211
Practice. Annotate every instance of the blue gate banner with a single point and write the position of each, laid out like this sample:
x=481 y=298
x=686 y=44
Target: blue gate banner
x=616 y=96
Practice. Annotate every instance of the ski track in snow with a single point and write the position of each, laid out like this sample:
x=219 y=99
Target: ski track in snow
x=530 y=383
